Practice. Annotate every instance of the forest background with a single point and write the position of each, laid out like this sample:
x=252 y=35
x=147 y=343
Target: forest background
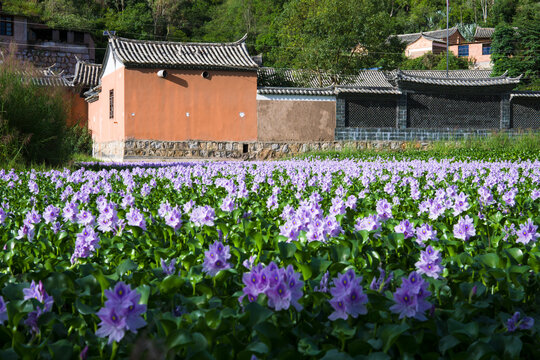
x=317 y=35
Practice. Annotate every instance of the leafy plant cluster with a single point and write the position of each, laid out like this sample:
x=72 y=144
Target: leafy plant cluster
x=85 y=249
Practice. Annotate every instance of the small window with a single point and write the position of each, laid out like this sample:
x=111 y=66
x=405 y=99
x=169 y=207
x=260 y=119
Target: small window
x=463 y=50
x=78 y=37
x=486 y=49
x=111 y=104
x=6 y=25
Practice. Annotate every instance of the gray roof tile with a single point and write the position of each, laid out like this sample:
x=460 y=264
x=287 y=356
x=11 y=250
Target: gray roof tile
x=86 y=74
x=327 y=91
x=435 y=34
x=483 y=33
x=145 y=53
x=455 y=78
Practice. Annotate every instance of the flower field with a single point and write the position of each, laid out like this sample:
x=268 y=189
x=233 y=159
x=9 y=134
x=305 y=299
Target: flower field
x=294 y=259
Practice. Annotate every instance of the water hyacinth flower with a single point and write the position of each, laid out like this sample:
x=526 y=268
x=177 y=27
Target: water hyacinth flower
x=424 y=233
x=86 y=244
x=3 y=311
x=135 y=218
x=174 y=218
x=122 y=312
x=228 y=204
x=348 y=296
x=514 y=323
x=203 y=215
x=3 y=216
x=405 y=228
x=32 y=217
x=369 y=223
x=323 y=284
x=27 y=230
x=50 y=214
x=38 y=293
x=464 y=229
x=429 y=263
x=380 y=284
x=283 y=287
x=170 y=268
x=384 y=209
x=527 y=232
x=215 y=259
x=410 y=298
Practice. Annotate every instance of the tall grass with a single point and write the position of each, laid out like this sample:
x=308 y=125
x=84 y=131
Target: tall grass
x=498 y=146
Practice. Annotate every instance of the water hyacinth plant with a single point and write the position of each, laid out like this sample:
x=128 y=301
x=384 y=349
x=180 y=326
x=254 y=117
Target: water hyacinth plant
x=234 y=260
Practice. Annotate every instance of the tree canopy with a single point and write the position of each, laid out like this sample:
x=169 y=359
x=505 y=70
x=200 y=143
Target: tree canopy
x=321 y=35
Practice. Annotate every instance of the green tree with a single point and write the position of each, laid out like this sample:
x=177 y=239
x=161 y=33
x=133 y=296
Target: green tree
x=332 y=36
x=503 y=51
x=431 y=61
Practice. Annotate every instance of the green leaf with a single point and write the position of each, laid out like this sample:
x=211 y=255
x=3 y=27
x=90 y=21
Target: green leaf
x=286 y=250
x=179 y=338
x=171 y=284
x=306 y=271
x=61 y=349
x=258 y=347
x=125 y=266
x=257 y=313
x=490 y=260
x=83 y=308
x=390 y=333
x=512 y=346
x=447 y=343
x=308 y=346
x=335 y=355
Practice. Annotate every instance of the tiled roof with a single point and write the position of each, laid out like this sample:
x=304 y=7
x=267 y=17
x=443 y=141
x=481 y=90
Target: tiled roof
x=327 y=91
x=92 y=95
x=435 y=34
x=535 y=94
x=483 y=33
x=457 y=74
x=144 y=53
x=366 y=90
x=45 y=77
x=86 y=74
x=458 y=79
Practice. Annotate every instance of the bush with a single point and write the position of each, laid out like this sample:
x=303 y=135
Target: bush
x=78 y=140
x=37 y=113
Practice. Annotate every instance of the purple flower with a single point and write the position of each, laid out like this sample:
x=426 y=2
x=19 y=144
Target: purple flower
x=50 y=214
x=228 y=204
x=168 y=269
x=381 y=283
x=406 y=228
x=86 y=244
x=464 y=229
x=283 y=287
x=527 y=232
x=3 y=311
x=429 y=263
x=38 y=293
x=122 y=312
x=515 y=323
x=27 y=231
x=323 y=285
x=410 y=298
x=215 y=259
x=203 y=215
x=425 y=233
x=460 y=203
x=85 y=218
x=70 y=211
x=3 y=216
x=348 y=296
x=369 y=223
x=174 y=218
x=136 y=218
x=33 y=217
x=384 y=209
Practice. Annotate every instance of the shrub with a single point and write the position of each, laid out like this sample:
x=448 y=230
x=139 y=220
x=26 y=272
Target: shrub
x=38 y=113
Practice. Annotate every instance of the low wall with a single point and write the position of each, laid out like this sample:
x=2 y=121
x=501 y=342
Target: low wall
x=113 y=150
x=391 y=134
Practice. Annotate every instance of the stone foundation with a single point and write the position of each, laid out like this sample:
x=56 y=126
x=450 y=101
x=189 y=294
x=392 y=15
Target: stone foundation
x=379 y=139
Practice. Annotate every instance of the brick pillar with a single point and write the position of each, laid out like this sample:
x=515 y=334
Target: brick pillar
x=340 y=112
x=505 y=111
x=401 y=111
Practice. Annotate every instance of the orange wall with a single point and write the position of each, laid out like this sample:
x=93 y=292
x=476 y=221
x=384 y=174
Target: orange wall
x=418 y=48
x=102 y=127
x=157 y=108
x=78 y=108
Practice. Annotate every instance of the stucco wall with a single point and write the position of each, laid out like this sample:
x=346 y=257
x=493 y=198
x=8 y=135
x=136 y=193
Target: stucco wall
x=296 y=120
x=475 y=54
x=78 y=108
x=186 y=106
x=102 y=127
x=418 y=48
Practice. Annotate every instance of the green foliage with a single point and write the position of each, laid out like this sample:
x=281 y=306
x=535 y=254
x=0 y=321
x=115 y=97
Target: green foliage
x=36 y=112
x=498 y=146
x=430 y=61
x=78 y=140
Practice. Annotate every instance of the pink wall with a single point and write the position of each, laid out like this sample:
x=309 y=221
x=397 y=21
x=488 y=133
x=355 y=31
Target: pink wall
x=475 y=53
x=103 y=128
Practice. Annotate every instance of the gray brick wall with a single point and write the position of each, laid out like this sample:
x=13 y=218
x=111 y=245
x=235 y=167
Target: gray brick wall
x=359 y=134
x=401 y=111
x=340 y=112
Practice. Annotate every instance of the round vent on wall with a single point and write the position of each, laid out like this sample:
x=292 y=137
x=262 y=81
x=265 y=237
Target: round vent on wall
x=162 y=73
x=205 y=74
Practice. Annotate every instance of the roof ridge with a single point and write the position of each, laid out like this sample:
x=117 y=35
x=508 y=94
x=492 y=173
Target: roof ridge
x=181 y=43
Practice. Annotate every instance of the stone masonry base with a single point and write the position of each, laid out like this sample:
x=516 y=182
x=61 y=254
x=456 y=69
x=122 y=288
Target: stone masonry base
x=255 y=150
